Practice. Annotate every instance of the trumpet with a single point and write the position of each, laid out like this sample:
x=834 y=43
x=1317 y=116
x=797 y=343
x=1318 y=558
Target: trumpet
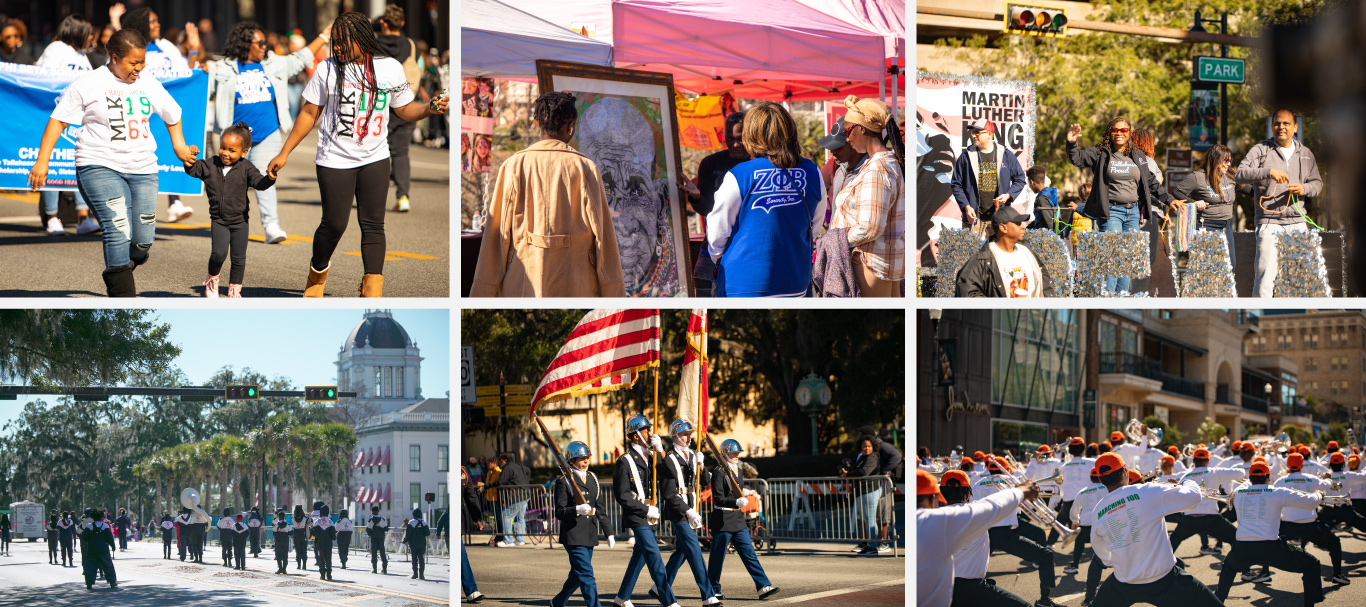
x=1336 y=500
x=1214 y=494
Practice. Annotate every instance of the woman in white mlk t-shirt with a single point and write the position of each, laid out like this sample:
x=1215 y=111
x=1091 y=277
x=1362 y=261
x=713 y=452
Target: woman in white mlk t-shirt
x=352 y=103
x=116 y=163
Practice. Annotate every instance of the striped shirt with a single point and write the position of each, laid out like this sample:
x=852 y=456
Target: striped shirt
x=873 y=208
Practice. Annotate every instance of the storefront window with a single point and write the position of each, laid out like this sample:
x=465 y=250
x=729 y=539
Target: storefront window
x=1117 y=417
x=1035 y=359
x=1018 y=437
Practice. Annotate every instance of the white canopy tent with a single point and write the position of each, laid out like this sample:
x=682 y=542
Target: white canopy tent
x=499 y=41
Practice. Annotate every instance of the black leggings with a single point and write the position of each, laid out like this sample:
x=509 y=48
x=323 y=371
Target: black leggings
x=229 y=242
x=368 y=187
x=400 y=137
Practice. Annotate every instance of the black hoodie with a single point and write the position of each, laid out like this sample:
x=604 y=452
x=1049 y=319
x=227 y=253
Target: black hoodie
x=398 y=47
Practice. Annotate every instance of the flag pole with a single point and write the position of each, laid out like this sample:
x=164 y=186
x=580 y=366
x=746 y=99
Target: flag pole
x=701 y=429
x=654 y=455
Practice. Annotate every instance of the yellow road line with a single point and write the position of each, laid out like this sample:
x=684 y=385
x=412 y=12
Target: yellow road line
x=411 y=255
x=386 y=257
x=29 y=197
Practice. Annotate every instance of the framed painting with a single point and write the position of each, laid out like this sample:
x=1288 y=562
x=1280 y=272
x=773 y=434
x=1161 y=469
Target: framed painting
x=628 y=128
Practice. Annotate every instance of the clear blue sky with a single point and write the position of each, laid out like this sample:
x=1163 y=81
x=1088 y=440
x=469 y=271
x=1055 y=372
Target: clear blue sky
x=301 y=345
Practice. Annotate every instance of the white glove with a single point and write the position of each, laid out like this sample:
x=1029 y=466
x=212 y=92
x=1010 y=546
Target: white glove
x=694 y=519
x=653 y=513
x=611 y=541
x=741 y=502
x=697 y=458
x=656 y=443
x=583 y=509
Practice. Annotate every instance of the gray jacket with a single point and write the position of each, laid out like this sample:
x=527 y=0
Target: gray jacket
x=1196 y=188
x=1255 y=170
x=223 y=85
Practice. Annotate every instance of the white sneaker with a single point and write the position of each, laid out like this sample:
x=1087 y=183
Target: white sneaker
x=177 y=212
x=87 y=226
x=502 y=544
x=475 y=597
x=620 y=603
x=55 y=227
x=712 y=601
x=275 y=235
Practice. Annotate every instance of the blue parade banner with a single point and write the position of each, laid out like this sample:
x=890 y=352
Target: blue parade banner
x=29 y=95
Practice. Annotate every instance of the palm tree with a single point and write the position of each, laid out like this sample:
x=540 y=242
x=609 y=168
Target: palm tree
x=307 y=442
x=339 y=440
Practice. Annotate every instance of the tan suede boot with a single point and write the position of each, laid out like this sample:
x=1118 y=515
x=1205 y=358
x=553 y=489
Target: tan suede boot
x=372 y=285
x=316 y=281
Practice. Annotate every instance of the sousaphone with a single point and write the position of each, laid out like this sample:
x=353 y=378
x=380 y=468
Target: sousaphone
x=189 y=498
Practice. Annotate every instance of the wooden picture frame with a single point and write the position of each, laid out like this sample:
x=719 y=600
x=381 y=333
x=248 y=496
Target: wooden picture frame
x=658 y=265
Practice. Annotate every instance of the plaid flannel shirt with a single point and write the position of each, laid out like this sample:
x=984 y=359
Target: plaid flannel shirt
x=872 y=205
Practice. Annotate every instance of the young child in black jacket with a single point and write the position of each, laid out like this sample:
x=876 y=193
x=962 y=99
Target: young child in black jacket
x=227 y=177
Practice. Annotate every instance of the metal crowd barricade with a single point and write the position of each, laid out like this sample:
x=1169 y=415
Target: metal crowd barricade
x=830 y=509
x=520 y=510
x=758 y=520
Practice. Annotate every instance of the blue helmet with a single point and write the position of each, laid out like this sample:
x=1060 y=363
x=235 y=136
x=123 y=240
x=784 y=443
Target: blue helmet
x=730 y=446
x=576 y=450
x=680 y=426
x=636 y=424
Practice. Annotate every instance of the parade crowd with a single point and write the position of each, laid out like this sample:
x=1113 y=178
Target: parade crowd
x=1267 y=500
x=98 y=539
x=999 y=200
x=267 y=92
x=581 y=510
x=776 y=224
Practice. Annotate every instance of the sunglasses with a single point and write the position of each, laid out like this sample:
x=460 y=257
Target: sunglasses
x=1119 y=130
x=262 y=44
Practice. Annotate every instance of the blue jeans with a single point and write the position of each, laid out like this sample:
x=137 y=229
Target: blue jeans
x=514 y=521
x=296 y=95
x=261 y=155
x=744 y=546
x=467 y=585
x=868 y=503
x=1121 y=220
x=646 y=554
x=126 y=208
x=1225 y=226
x=49 y=201
x=687 y=548
x=580 y=577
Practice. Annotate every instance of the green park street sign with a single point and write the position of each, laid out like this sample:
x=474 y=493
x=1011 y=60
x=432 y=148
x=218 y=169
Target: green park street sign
x=1218 y=69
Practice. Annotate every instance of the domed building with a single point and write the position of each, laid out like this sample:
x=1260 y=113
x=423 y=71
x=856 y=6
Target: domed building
x=381 y=363
x=403 y=447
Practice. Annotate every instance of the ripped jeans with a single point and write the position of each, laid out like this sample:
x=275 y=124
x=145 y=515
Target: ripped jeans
x=126 y=208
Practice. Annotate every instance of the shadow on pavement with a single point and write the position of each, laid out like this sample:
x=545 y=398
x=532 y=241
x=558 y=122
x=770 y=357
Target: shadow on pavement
x=75 y=593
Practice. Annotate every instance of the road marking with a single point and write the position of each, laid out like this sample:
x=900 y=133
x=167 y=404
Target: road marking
x=183 y=226
x=29 y=197
x=383 y=592
x=820 y=595
x=22 y=219
x=412 y=255
x=386 y=257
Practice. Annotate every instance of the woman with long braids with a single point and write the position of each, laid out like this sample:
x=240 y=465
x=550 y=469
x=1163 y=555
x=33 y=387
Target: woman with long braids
x=116 y=161
x=1123 y=189
x=1211 y=189
x=873 y=200
x=251 y=85
x=352 y=93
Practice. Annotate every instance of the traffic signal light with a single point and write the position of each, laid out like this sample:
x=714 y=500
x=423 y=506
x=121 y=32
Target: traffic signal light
x=320 y=394
x=430 y=497
x=1035 y=20
x=243 y=392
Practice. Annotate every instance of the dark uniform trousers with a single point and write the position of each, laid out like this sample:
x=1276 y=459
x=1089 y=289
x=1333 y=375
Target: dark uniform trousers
x=166 y=539
x=974 y=592
x=1273 y=553
x=1083 y=537
x=1062 y=508
x=1332 y=515
x=1013 y=542
x=1206 y=524
x=1319 y=534
x=1175 y=588
x=1093 y=574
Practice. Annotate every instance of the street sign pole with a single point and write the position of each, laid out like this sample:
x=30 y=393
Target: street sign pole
x=1223 y=87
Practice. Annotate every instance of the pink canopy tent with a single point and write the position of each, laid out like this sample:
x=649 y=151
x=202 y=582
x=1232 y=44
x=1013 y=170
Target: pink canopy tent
x=884 y=17
x=780 y=50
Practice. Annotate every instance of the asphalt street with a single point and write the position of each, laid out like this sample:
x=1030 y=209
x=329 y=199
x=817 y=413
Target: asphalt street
x=416 y=264
x=1284 y=589
x=808 y=574
x=146 y=579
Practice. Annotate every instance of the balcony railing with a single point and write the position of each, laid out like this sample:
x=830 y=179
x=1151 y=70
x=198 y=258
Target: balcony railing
x=1133 y=364
x=1253 y=403
x=1222 y=396
x=1296 y=411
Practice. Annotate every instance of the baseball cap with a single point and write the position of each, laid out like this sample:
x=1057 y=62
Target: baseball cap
x=1295 y=461
x=1247 y=446
x=995 y=464
x=1332 y=444
x=978 y=455
x=1108 y=462
x=926 y=484
x=1134 y=477
x=1353 y=460
x=835 y=139
x=1200 y=453
x=1259 y=459
x=1045 y=449
x=954 y=478
x=1076 y=440
x=1236 y=446
x=1336 y=458
x=1116 y=437
x=1173 y=450
x=1167 y=459
x=967 y=461
x=981 y=124
x=1009 y=214
x=1303 y=450
x=1259 y=469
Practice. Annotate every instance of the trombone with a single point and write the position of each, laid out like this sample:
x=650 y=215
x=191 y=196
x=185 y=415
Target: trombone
x=1041 y=514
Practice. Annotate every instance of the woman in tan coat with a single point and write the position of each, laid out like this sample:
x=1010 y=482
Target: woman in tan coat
x=549 y=230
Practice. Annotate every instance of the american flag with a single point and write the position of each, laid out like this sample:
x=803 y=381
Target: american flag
x=693 y=402
x=606 y=351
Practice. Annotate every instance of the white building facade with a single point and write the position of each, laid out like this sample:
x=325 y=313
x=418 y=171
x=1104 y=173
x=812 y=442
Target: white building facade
x=381 y=363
